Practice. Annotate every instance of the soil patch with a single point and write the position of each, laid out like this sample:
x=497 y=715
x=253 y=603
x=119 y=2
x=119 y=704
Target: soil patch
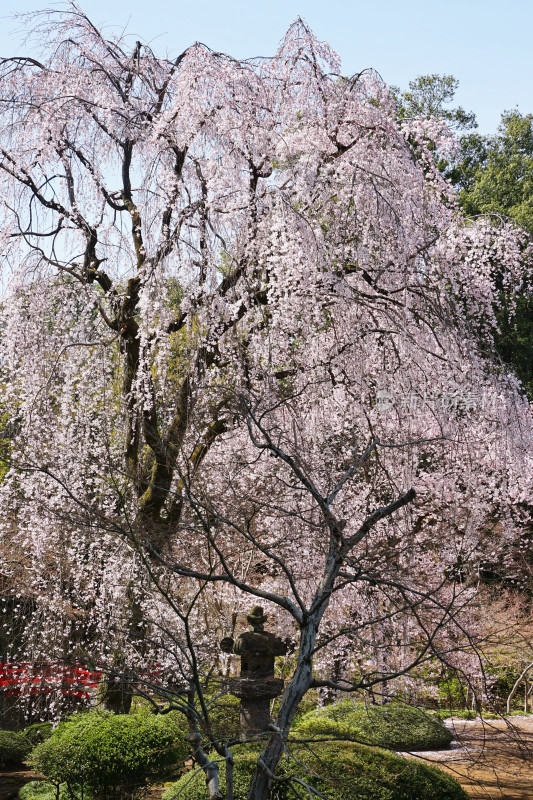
x=12 y=780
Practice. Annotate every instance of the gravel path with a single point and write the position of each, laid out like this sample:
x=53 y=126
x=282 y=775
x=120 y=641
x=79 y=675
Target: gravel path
x=491 y=759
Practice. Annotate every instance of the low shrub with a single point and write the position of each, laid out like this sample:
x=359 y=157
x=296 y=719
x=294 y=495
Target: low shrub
x=14 y=747
x=339 y=771
x=224 y=717
x=38 y=732
x=111 y=756
x=394 y=726
x=42 y=790
x=460 y=713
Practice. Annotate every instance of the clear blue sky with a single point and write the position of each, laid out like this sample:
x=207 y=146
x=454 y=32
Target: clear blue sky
x=486 y=44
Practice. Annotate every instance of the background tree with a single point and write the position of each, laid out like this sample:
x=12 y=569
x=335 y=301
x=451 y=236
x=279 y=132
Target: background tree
x=431 y=96
x=493 y=176
x=498 y=176
x=241 y=342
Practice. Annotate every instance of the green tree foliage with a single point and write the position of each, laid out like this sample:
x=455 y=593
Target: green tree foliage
x=493 y=175
x=431 y=96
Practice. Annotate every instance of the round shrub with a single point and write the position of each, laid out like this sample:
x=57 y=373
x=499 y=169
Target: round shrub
x=112 y=756
x=395 y=726
x=14 y=747
x=38 y=732
x=340 y=771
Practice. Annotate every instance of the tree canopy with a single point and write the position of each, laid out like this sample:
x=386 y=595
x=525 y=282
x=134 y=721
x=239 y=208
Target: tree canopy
x=431 y=96
x=496 y=172
x=242 y=361
x=493 y=175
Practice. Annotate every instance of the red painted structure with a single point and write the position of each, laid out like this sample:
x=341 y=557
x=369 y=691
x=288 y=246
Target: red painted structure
x=42 y=678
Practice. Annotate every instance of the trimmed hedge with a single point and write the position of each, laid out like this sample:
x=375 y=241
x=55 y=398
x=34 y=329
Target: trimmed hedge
x=397 y=727
x=38 y=732
x=340 y=771
x=111 y=756
x=224 y=717
x=14 y=747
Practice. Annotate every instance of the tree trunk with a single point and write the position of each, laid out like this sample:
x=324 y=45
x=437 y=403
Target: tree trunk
x=517 y=684
x=299 y=685
x=115 y=696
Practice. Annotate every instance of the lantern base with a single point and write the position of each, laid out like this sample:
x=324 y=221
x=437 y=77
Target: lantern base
x=254 y=717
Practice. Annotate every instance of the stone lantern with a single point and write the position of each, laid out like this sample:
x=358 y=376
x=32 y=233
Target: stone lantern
x=257 y=685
